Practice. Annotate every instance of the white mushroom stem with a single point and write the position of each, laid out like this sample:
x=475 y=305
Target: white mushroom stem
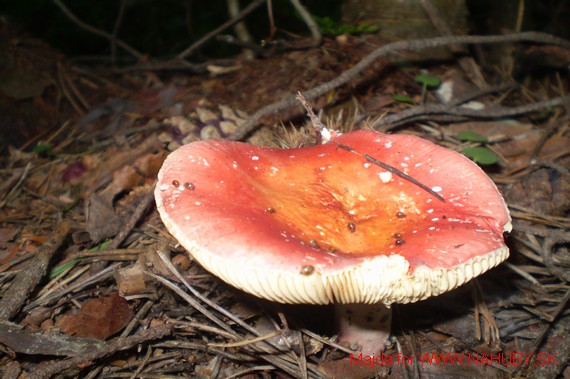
x=365 y=325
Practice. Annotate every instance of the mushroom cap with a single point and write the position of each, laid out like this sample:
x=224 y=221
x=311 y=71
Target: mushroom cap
x=322 y=225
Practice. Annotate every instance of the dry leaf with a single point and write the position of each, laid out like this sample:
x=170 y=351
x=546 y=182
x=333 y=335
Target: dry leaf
x=97 y=318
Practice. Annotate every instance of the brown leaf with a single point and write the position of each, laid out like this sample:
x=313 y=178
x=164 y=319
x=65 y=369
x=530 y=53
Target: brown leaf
x=97 y=318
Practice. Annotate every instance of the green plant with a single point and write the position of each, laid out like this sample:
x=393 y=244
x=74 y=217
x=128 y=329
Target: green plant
x=403 y=99
x=44 y=150
x=427 y=81
x=468 y=136
x=479 y=154
x=330 y=27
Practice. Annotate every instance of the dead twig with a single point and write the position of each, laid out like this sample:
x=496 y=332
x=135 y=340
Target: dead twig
x=116 y=27
x=394 y=171
x=311 y=24
x=133 y=220
x=392 y=48
x=99 y=276
x=50 y=369
x=27 y=279
x=244 y=12
x=96 y=31
x=468 y=64
x=560 y=308
x=411 y=114
x=548 y=244
x=23 y=341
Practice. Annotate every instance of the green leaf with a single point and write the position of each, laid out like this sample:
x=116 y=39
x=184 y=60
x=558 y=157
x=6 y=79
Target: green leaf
x=102 y=246
x=481 y=155
x=428 y=80
x=403 y=99
x=44 y=150
x=471 y=137
x=61 y=268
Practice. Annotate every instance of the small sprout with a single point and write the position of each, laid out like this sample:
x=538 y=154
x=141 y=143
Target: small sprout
x=314 y=244
x=400 y=242
x=403 y=99
x=481 y=155
x=351 y=227
x=189 y=186
x=428 y=80
x=307 y=270
x=397 y=235
x=471 y=137
x=401 y=215
x=270 y=210
x=175 y=183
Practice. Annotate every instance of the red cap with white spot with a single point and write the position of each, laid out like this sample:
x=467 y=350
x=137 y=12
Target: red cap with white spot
x=326 y=224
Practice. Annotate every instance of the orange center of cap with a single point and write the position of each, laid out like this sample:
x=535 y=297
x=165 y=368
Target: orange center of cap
x=353 y=207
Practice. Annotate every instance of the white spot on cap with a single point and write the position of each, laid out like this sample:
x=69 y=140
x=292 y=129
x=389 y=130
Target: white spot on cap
x=234 y=164
x=205 y=162
x=164 y=187
x=255 y=158
x=435 y=219
x=326 y=135
x=385 y=176
x=197 y=203
x=429 y=211
x=366 y=165
x=388 y=144
x=436 y=189
x=186 y=217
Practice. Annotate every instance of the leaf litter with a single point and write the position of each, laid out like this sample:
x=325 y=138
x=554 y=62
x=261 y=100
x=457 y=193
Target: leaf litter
x=141 y=304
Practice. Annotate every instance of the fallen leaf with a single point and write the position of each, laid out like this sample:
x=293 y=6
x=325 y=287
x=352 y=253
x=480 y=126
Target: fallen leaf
x=97 y=318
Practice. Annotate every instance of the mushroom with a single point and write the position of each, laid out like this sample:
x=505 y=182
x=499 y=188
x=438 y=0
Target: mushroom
x=363 y=221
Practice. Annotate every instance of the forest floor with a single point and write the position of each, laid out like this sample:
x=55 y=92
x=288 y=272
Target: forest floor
x=85 y=292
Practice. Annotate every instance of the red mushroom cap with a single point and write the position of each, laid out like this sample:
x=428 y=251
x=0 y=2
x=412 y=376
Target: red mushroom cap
x=321 y=224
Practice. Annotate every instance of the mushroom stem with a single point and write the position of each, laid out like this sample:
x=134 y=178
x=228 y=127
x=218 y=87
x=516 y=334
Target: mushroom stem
x=365 y=325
